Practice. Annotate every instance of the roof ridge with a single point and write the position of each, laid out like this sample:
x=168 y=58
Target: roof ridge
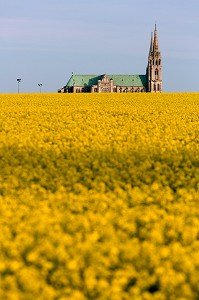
x=97 y=75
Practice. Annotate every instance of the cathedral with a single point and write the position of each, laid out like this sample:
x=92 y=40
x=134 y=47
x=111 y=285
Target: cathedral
x=150 y=82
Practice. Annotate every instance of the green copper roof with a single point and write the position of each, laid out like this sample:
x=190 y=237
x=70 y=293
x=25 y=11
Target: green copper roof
x=119 y=80
x=84 y=80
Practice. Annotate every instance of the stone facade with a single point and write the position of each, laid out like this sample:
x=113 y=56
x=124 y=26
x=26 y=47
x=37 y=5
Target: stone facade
x=154 y=68
x=150 y=82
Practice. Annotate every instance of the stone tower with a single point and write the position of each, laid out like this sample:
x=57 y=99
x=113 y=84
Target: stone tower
x=154 y=68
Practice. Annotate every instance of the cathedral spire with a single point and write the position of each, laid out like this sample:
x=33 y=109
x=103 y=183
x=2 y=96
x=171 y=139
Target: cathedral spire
x=151 y=45
x=154 y=68
x=155 y=44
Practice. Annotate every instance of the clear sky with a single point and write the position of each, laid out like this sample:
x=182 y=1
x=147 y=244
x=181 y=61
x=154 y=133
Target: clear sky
x=44 y=41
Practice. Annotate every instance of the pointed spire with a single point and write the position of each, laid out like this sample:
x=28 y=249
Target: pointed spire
x=155 y=44
x=151 y=45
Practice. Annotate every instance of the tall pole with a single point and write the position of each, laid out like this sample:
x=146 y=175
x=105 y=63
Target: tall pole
x=40 y=85
x=18 y=80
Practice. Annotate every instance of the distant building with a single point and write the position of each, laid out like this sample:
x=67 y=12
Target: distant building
x=150 y=82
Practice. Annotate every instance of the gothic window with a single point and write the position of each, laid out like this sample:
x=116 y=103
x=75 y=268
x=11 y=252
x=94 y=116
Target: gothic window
x=154 y=87
x=158 y=87
x=159 y=62
x=153 y=62
x=156 y=74
x=156 y=63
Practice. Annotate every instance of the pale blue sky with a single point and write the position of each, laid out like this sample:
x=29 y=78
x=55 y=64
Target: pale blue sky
x=43 y=41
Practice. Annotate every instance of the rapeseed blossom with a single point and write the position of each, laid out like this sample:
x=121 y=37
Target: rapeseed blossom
x=99 y=196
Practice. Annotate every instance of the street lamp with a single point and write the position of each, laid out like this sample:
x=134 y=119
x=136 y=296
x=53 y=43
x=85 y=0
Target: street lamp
x=40 y=85
x=18 y=80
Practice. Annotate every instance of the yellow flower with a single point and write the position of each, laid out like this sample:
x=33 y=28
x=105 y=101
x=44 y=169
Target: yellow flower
x=99 y=196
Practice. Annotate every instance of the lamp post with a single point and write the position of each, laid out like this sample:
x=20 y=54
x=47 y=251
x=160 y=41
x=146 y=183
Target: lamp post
x=18 y=80
x=40 y=85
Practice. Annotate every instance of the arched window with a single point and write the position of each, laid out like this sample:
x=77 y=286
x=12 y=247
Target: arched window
x=156 y=74
x=156 y=62
x=158 y=87
x=159 y=62
x=154 y=88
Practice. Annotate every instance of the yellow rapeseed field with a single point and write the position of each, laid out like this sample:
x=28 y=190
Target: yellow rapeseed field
x=99 y=196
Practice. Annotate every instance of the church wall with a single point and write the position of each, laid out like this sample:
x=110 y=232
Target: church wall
x=113 y=89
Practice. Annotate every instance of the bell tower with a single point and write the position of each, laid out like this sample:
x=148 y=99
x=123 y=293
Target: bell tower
x=154 y=68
